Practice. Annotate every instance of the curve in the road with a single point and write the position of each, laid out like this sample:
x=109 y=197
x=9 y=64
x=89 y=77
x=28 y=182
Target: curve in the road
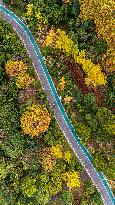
x=81 y=152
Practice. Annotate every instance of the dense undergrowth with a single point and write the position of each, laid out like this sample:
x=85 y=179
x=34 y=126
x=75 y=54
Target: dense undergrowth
x=85 y=80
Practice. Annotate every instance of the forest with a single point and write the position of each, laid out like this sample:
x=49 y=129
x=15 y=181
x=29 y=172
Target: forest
x=76 y=40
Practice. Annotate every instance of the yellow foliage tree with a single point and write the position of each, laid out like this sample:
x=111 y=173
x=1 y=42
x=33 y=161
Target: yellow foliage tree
x=62 y=83
x=67 y=156
x=68 y=99
x=56 y=151
x=72 y=179
x=58 y=39
x=95 y=77
x=80 y=58
x=39 y=18
x=23 y=80
x=102 y=13
x=63 y=42
x=67 y=1
x=35 y=120
x=13 y=68
x=29 y=10
x=50 y=38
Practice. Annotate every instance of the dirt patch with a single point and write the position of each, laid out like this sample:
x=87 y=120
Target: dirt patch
x=93 y=144
x=55 y=81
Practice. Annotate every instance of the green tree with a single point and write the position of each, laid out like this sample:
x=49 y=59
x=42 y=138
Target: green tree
x=83 y=131
x=90 y=195
x=13 y=145
x=106 y=119
x=66 y=198
x=90 y=103
x=9 y=115
x=7 y=196
x=28 y=187
x=53 y=131
x=110 y=92
x=4 y=170
x=42 y=197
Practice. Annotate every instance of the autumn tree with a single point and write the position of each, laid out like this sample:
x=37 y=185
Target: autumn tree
x=102 y=14
x=60 y=40
x=72 y=179
x=47 y=160
x=13 y=68
x=23 y=80
x=35 y=120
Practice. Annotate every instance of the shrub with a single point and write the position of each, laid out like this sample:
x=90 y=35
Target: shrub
x=60 y=166
x=30 y=158
x=90 y=103
x=90 y=195
x=54 y=185
x=4 y=170
x=11 y=48
x=109 y=95
x=91 y=122
x=83 y=131
x=54 y=130
x=7 y=196
x=67 y=1
x=2 y=76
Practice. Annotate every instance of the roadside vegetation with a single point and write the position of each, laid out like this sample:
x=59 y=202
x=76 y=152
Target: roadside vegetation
x=37 y=165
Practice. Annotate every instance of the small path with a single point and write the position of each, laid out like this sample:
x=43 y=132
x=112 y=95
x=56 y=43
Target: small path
x=80 y=151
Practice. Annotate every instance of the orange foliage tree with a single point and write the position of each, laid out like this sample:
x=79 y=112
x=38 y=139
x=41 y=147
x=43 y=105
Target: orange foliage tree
x=47 y=160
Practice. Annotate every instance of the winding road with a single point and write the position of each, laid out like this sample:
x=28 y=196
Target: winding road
x=80 y=151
